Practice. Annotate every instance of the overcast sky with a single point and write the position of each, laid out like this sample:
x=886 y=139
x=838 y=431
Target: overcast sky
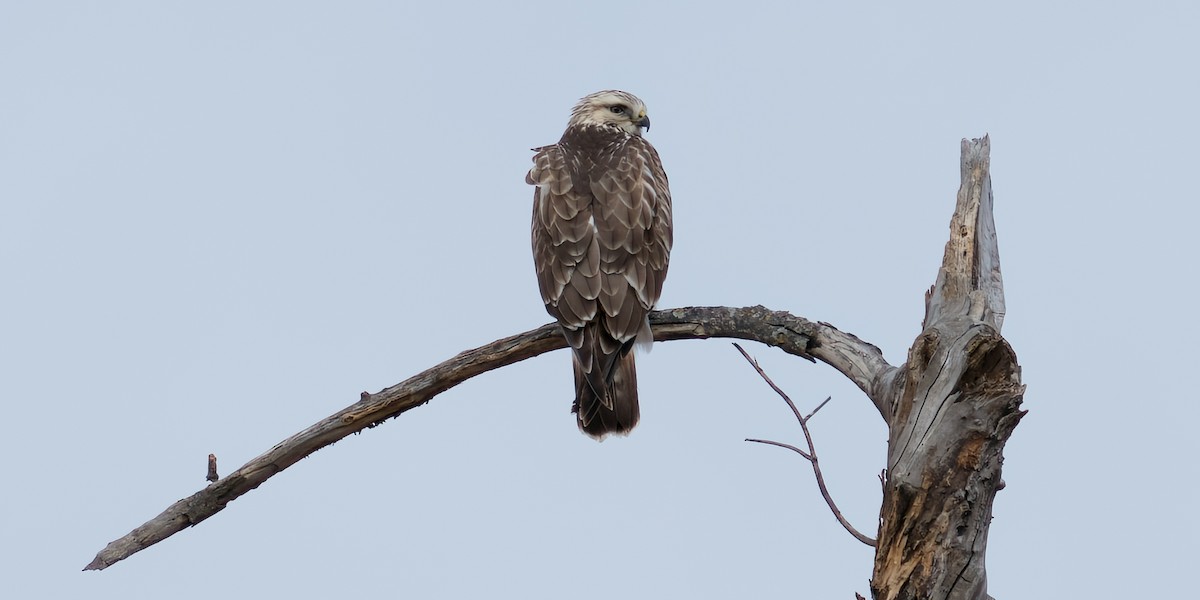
x=220 y=222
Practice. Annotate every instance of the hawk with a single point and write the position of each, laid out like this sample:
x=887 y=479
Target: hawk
x=601 y=243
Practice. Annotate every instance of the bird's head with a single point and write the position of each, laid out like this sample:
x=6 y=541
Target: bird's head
x=612 y=108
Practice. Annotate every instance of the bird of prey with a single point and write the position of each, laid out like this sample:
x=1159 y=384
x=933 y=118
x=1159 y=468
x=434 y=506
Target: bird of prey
x=601 y=242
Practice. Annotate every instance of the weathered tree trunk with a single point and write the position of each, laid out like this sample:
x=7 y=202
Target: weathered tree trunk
x=949 y=414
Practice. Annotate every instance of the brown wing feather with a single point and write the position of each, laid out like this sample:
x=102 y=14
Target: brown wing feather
x=601 y=243
x=634 y=225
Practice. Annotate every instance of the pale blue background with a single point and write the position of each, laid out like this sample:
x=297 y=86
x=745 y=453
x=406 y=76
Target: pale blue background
x=219 y=222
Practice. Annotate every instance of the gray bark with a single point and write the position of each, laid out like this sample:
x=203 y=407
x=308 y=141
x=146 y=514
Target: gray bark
x=952 y=409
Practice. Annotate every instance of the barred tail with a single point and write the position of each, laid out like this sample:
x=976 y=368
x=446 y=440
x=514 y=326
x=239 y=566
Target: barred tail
x=615 y=408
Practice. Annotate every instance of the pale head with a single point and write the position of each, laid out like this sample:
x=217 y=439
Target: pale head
x=613 y=108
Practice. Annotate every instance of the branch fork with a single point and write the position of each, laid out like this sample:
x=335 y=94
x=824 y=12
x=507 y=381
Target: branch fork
x=811 y=455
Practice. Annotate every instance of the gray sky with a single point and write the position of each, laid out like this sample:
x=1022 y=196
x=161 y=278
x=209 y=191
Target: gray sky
x=219 y=222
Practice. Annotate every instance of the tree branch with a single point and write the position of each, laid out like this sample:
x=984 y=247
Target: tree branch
x=857 y=360
x=811 y=455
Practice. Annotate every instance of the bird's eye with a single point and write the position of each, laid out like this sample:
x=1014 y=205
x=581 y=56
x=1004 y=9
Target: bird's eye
x=617 y=109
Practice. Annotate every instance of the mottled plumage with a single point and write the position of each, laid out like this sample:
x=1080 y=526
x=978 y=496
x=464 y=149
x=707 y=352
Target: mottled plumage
x=601 y=243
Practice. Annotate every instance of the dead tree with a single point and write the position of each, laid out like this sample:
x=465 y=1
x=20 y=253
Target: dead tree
x=949 y=409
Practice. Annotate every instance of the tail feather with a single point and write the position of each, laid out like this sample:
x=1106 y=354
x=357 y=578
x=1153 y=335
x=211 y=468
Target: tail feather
x=613 y=409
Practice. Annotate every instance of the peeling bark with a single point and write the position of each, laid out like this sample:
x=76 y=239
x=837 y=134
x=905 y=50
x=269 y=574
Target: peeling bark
x=953 y=410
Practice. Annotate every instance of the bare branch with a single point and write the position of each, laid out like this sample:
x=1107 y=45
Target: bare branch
x=811 y=455
x=861 y=362
x=857 y=360
x=763 y=374
x=819 y=407
x=806 y=455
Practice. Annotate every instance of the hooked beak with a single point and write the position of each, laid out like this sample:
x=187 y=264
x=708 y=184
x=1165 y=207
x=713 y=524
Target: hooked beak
x=644 y=122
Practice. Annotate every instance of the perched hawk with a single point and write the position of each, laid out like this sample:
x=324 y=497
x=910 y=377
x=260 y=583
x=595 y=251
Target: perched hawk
x=601 y=242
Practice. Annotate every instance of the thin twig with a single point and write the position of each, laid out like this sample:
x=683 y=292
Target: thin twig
x=782 y=445
x=782 y=394
x=811 y=455
x=819 y=407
